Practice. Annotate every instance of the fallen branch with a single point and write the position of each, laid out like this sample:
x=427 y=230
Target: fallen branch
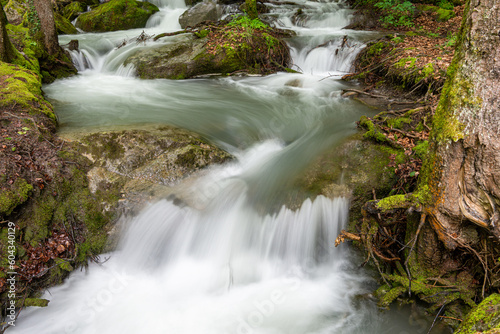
x=166 y=34
x=346 y=235
x=365 y=93
x=405 y=133
x=385 y=258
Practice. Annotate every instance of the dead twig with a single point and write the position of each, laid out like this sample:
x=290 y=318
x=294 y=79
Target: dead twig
x=365 y=93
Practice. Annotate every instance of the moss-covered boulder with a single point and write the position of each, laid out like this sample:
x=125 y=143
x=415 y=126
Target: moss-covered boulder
x=185 y=58
x=352 y=169
x=14 y=10
x=72 y=10
x=485 y=318
x=117 y=15
x=63 y=25
x=242 y=45
x=145 y=163
x=22 y=89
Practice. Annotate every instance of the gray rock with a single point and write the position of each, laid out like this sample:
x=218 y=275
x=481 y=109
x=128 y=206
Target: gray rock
x=145 y=164
x=186 y=58
x=14 y=10
x=204 y=11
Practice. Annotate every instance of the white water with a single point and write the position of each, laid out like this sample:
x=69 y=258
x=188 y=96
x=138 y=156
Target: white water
x=229 y=262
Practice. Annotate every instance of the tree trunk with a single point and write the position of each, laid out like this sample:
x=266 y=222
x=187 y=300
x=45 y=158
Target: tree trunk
x=48 y=26
x=462 y=172
x=251 y=9
x=7 y=50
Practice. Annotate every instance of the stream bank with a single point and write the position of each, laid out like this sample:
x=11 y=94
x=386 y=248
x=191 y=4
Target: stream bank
x=403 y=74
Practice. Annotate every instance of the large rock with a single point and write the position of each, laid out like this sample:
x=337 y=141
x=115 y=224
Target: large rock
x=117 y=15
x=190 y=56
x=146 y=163
x=352 y=169
x=186 y=58
x=14 y=10
x=204 y=11
x=74 y=9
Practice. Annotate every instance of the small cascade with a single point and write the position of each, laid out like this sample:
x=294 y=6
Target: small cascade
x=222 y=269
x=332 y=57
x=322 y=47
x=106 y=52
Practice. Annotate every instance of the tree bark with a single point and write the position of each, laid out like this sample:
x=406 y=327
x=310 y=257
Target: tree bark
x=7 y=50
x=48 y=26
x=463 y=168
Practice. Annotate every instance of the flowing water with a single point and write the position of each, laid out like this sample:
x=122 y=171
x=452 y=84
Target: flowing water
x=231 y=263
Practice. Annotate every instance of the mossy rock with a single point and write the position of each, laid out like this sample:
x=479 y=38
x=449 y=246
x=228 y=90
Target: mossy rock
x=485 y=317
x=184 y=59
x=23 y=89
x=162 y=156
x=352 y=169
x=203 y=11
x=72 y=10
x=63 y=25
x=18 y=194
x=236 y=47
x=14 y=10
x=117 y=15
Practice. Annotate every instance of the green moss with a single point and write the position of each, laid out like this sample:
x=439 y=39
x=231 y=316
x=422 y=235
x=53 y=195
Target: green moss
x=20 y=36
x=444 y=14
x=251 y=8
x=107 y=147
x=63 y=25
x=23 y=89
x=36 y=302
x=376 y=49
x=485 y=316
x=393 y=202
x=428 y=291
x=117 y=15
x=372 y=131
x=457 y=97
x=64 y=264
x=427 y=71
x=18 y=194
x=72 y=10
x=386 y=295
x=408 y=62
x=421 y=149
x=398 y=123
x=202 y=33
